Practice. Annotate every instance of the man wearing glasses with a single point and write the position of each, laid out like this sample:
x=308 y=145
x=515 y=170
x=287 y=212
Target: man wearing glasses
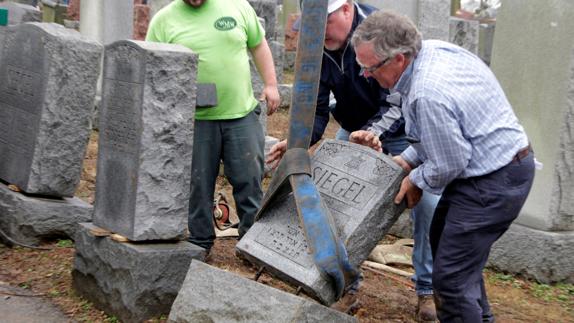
x=363 y=104
x=471 y=149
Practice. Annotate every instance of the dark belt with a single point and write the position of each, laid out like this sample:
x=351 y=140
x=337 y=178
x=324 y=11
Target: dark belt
x=522 y=153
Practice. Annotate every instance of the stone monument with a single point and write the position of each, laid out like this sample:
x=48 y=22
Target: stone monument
x=358 y=186
x=48 y=80
x=143 y=182
x=146 y=138
x=540 y=243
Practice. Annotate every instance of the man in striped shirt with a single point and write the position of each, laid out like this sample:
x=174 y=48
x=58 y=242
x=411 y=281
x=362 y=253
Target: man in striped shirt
x=468 y=146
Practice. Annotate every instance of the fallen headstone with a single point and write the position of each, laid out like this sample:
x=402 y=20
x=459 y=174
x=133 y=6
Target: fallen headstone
x=209 y=294
x=358 y=186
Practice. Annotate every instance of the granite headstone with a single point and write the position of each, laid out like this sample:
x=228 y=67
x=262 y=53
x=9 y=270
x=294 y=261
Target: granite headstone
x=464 y=33
x=146 y=136
x=48 y=78
x=358 y=186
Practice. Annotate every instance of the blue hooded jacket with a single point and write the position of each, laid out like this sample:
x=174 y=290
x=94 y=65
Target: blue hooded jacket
x=361 y=102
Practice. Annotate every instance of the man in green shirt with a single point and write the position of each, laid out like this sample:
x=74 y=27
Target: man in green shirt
x=221 y=32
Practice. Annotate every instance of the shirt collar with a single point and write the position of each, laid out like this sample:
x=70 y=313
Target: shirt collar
x=404 y=82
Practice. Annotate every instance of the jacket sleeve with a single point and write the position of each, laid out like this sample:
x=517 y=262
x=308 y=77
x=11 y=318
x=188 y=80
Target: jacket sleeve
x=388 y=120
x=321 y=113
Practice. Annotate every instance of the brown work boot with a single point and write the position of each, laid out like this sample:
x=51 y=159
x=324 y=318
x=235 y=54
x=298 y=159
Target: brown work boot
x=349 y=304
x=426 y=311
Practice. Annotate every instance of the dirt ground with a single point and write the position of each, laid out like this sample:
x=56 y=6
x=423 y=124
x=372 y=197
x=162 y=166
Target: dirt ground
x=384 y=297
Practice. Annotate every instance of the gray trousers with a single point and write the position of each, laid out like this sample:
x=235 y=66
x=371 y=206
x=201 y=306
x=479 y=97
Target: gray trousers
x=239 y=143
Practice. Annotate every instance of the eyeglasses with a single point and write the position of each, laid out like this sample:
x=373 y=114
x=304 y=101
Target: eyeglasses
x=373 y=68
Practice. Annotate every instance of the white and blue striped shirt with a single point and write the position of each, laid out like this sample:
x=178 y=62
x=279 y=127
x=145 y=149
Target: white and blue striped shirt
x=455 y=107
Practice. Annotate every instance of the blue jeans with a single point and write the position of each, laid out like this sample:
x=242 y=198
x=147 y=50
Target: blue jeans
x=421 y=216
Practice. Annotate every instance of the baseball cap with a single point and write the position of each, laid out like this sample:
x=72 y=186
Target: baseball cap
x=332 y=6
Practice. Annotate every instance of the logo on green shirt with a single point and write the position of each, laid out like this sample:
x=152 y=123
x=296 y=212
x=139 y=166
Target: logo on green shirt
x=225 y=23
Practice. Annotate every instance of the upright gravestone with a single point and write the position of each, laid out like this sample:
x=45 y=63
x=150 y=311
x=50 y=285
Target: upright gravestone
x=266 y=9
x=541 y=241
x=430 y=16
x=47 y=85
x=464 y=33
x=48 y=80
x=107 y=20
x=20 y=13
x=358 y=186
x=146 y=136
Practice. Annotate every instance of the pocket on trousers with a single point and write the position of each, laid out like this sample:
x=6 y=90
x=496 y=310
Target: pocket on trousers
x=519 y=173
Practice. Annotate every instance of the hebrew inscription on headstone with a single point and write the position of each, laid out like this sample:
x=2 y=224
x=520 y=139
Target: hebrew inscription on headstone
x=358 y=186
x=48 y=78
x=146 y=136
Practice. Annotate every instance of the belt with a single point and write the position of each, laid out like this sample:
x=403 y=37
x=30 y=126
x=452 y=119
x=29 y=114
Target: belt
x=522 y=153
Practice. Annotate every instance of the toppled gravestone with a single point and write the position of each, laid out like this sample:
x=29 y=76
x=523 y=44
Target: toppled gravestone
x=358 y=186
x=146 y=138
x=210 y=294
x=48 y=77
x=133 y=281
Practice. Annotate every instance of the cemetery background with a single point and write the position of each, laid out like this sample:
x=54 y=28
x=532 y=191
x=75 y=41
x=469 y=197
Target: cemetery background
x=384 y=298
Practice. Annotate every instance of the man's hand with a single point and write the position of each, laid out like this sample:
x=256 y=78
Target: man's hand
x=411 y=191
x=276 y=153
x=271 y=95
x=366 y=138
x=403 y=163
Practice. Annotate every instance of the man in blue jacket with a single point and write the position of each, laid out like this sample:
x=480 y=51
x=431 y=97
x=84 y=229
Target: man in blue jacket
x=363 y=105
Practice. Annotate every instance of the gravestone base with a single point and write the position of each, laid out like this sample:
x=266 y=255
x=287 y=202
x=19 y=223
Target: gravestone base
x=133 y=281
x=542 y=255
x=210 y=294
x=29 y=220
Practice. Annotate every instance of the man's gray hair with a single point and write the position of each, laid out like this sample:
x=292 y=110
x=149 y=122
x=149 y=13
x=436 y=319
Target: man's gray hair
x=391 y=34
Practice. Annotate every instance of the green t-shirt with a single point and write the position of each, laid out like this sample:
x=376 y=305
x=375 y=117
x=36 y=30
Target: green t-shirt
x=220 y=32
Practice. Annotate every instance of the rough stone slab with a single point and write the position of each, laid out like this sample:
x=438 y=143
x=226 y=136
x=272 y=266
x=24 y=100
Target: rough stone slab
x=19 y=13
x=146 y=138
x=266 y=9
x=464 y=33
x=133 y=281
x=48 y=78
x=285 y=92
x=358 y=186
x=545 y=256
x=29 y=219
x=157 y=5
x=433 y=18
x=289 y=63
x=206 y=95
x=548 y=119
x=210 y=294
x=278 y=53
